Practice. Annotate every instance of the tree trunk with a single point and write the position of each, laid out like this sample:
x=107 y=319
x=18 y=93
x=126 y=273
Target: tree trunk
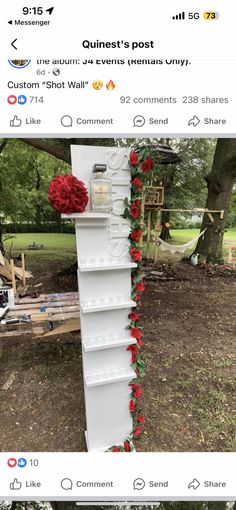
x=220 y=185
x=165 y=229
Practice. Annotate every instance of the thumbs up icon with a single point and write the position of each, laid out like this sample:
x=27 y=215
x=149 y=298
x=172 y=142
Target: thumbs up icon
x=15 y=122
x=15 y=485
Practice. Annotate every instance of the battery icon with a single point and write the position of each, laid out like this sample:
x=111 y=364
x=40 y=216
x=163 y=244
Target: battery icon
x=211 y=15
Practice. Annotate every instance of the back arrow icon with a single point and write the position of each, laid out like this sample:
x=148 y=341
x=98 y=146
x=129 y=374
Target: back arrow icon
x=13 y=45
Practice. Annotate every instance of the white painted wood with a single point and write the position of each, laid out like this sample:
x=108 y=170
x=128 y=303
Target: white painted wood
x=104 y=279
x=107 y=341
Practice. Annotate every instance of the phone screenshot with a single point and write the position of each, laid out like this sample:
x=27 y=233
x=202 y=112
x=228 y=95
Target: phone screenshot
x=117 y=255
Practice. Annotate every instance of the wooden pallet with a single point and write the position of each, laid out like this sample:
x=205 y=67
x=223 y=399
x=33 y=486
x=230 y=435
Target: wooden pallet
x=60 y=314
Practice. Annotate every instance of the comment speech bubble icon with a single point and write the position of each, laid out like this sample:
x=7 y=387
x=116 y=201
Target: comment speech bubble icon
x=66 y=121
x=67 y=484
x=139 y=484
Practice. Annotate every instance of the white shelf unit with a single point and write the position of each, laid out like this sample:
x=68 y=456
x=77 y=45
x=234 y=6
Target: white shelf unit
x=104 y=280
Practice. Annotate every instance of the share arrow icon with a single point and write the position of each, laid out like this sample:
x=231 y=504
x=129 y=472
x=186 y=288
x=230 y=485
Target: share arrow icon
x=194 y=121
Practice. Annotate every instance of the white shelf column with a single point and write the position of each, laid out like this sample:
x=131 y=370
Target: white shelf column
x=104 y=280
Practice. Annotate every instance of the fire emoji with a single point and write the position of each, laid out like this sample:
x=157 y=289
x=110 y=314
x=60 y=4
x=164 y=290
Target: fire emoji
x=110 y=85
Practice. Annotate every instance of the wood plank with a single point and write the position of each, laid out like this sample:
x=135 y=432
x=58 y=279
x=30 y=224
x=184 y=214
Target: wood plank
x=71 y=325
x=21 y=333
x=48 y=297
x=23 y=269
x=56 y=304
x=2 y=260
x=4 y=272
x=50 y=311
x=13 y=276
x=19 y=273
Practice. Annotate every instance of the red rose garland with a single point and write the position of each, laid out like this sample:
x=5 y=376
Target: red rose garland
x=142 y=165
x=67 y=194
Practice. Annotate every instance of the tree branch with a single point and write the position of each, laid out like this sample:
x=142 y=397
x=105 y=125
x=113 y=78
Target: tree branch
x=51 y=146
x=60 y=147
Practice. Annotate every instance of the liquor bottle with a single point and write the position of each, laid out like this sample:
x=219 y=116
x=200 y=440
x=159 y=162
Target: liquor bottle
x=101 y=190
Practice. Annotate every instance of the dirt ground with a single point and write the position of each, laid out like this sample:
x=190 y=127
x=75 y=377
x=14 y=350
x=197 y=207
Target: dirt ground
x=190 y=384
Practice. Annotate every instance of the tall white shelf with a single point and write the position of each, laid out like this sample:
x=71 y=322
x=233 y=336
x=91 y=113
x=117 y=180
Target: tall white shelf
x=104 y=280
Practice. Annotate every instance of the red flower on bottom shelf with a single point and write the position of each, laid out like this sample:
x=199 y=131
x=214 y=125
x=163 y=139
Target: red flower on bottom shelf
x=115 y=449
x=127 y=446
x=137 y=431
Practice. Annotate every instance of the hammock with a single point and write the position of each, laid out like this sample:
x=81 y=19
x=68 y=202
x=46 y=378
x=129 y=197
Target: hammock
x=179 y=248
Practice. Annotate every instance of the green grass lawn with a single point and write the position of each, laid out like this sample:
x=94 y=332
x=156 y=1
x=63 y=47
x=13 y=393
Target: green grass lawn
x=185 y=235
x=62 y=245
x=54 y=245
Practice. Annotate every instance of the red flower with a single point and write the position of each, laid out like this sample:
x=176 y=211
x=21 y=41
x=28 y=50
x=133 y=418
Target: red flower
x=134 y=351
x=133 y=348
x=139 y=342
x=140 y=287
x=135 y=235
x=67 y=194
x=137 y=185
x=134 y=211
x=135 y=254
x=147 y=165
x=133 y=316
x=137 y=298
x=115 y=449
x=133 y=159
x=132 y=406
x=127 y=446
x=137 y=390
x=140 y=418
x=137 y=431
x=135 y=333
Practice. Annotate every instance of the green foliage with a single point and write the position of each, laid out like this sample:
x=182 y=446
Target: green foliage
x=25 y=174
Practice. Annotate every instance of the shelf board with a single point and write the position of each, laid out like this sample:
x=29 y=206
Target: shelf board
x=105 y=265
x=108 y=303
x=97 y=343
x=87 y=215
x=111 y=376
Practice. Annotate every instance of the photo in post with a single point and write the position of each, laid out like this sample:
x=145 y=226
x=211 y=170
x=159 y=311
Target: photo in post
x=121 y=337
